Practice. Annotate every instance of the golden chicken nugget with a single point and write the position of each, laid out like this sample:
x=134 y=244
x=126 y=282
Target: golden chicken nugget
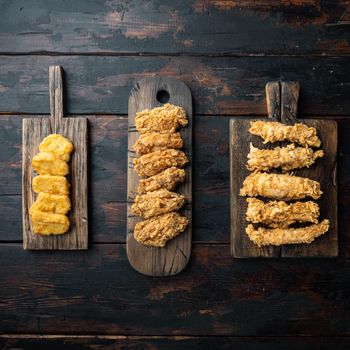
x=49 y=223
x=55 y=203
x=58 y=145
x=48 y=164
x=50 y=184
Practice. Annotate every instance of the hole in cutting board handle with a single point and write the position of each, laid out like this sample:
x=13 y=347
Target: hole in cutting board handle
x=163 y=96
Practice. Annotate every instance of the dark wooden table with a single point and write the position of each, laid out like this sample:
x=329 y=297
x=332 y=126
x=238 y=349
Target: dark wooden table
x=225 y=51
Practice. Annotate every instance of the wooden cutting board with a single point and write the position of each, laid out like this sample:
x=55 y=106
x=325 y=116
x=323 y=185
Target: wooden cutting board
x=75 y=129
x=282 y=101
x=170 y=260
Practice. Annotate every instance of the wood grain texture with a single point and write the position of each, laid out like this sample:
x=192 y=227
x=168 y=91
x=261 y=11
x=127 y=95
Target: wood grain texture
x=75 y=129
x=173 y=258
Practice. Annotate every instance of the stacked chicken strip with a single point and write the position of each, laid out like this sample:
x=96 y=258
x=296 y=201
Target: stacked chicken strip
x=160 y=162
x=278 y=215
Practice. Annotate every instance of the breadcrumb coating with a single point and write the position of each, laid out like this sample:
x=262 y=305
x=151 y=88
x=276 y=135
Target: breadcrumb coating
x=49 y=223
x=275 y=131
x=50 y=184
x=54 y=203
x=48 y=164
x=280 y=186
x=58 y=145
x=279 y=236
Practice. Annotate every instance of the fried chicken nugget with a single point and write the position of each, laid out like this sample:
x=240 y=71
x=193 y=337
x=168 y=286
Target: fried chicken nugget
x=275 y=131
x=287 y=158
x=48 y=164
x=58 y=145
x=155 y=141
x=167 y=179
x=161 y=119
x=153 y=163
x=159 y=229
x=157 y=202
x=280 y=236
x=281 y=214
x=49 y=223
x=50 y=184
x=55 y=203
x=280 y=186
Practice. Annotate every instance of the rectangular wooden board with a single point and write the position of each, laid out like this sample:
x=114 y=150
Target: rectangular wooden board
x=324 y=171
x=34 y=131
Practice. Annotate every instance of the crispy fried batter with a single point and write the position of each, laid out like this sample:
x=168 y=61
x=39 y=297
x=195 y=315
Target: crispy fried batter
x=48 y=164
x=159 y=229
x=275 y=131
x=167 y=179
x=279 y=236
x=49 y=223
x=157 y=202
x=281 y=214
x=161 y=119
x=50 y=184
x=280 y=186
x=153 y=163
x=155 y=141
x=55 y=203
x=287 y=158
x=58 y=145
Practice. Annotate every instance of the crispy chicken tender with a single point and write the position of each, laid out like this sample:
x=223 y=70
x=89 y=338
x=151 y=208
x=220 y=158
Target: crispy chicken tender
x=155 y=141
x=280 y=186
x=58 y=145
x=50 y=184
x=275 y=131
x=161 y=119
x=159 y=229
x=280 y=236
x=153 y=163
x=281 y=214
x=49 y=223
x=48 y=164
x=54 y=203
x=287 y=158
x=157 y=202
x=167 y=179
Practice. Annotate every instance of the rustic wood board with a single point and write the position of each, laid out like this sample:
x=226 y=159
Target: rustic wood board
x=75 y=129
x=171 y=259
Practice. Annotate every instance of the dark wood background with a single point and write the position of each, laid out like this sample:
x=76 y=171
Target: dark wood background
x=225 y=51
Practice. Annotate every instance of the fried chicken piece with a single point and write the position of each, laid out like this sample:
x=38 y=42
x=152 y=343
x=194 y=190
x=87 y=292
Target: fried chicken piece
x=50 y=184
x=287 y=158
x=58 y=145
x=153 y=163
x=167 y=179
x=55 y=203
x=281 y=214
x=275 y=131
x=155 y=141
x=279 y=236
x=159 y=229
x=280 y=186
x=49 y=223
x=48 y=164
x=157 y=202
x=161 y=119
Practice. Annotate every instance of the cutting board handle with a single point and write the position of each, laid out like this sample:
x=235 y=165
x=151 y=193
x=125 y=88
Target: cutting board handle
x=56 y=97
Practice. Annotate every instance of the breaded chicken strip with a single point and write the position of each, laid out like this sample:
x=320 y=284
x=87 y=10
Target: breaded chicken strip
x=279 y=236
x=157 y=202
x=55 y=203
x=287 y=158
x=48 y=164
x=49 y=223
x=58 y=145
x=281 y=214
x=167 y=179
x=155 y=141
x=275 y=131
x=159 y=229
x=50 y=184
x=153 y=163
x=161 y=119
x=280 y=186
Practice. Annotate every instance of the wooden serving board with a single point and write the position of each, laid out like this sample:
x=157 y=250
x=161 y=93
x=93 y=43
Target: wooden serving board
x=282 y=101
x=75 y=129
x=171 y=259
